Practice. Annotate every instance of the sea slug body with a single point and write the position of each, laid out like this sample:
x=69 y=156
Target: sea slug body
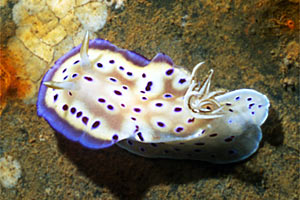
x=100 y=95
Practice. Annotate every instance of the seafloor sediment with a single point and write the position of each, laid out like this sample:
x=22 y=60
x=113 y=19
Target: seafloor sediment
x=248 y=44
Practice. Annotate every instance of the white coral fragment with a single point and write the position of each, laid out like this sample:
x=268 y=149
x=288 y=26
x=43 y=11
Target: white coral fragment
x=92 y=16
x=118 y=3
x=10 y=172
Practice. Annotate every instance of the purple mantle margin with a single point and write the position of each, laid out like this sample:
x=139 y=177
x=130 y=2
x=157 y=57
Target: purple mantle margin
x=61 y=125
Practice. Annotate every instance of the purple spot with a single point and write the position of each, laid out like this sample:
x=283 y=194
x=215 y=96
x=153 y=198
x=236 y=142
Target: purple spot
x=159 y=104
x=259 y=106
x=65 y=77
x=79 y=114
x=123 y=105
x=136 y=128
x=129 y=73
x=167 y=95
x=99 y=65
x=144 y=98
x=77 y=61
x=153 y=144
x=110 y=107
x=137 y=109
x=65 y=107
x=148 y=87
x=251 y=105
x=200 y=143
x=74 y=75
x=125 y=87
x=88 y=78
x=252 y=112
x=101 y=100
x=228 y=104
x=249 y=99
x=95 y=124
x=191 y=120
x=133 y=118
x=213 y=135
x=55 y=97
x=144 y=75
x=230 y=121
x=197 y=150
x=237 y=98
x=139 y=134
x=142 y=149
x=129 y=142
x=111 y=61
x=230 y=110
x=115 y=137
x=121 y=68
x=143 y=92
x=203 y=131
x=182 y=80
x=117 y=92
x=179 y=129
x=85 y=120
x=113 y=79
x=160 y=124
x=177 y=109
x=181 y=143
x=73 y=110
x=70 y=93
x=169 y=72
x=64 y=70
x=229 y=139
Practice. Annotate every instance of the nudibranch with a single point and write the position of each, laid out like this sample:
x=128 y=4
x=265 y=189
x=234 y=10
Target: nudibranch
x=100 y=95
